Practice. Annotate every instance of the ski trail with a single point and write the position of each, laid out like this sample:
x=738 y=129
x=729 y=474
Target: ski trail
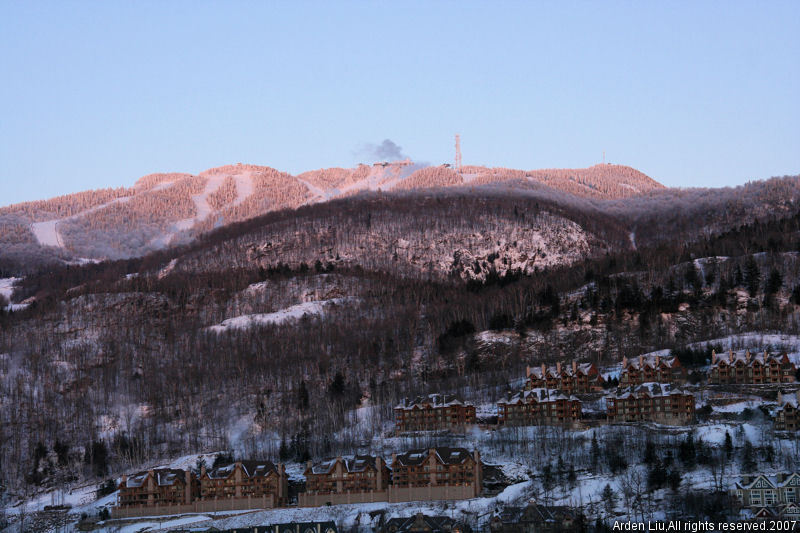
x=47 y=232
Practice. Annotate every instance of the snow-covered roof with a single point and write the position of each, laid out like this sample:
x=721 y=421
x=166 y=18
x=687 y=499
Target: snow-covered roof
x=251 y=468
x=744 y=357
x=650 y=361
x=356 y=463
x=789 y=399
x=431 y=401
x=649 y=389
x=448 y=456
x=164 y=477
x=769 y=481
x=558 y=370
x=540 y=395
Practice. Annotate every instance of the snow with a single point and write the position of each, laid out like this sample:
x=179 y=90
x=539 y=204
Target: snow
x=358 y=515
x=155 y=524
x=7 y=289
x=47 y=232
x=295 y=312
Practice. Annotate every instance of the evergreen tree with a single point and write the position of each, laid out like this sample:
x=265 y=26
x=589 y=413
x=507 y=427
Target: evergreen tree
x=728 y=445
x=687 y=452
x=749 y=464
x=609 y=499
x=752 y=276
x=302 y=396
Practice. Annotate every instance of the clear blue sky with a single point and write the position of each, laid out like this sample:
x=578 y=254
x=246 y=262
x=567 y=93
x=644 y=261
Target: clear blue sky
x=97 y=94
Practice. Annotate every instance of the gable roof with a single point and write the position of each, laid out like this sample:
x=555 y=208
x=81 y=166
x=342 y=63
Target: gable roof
x=422 y=522
x=552 y=371
x=447 y=456
x=744 y=357
x=540 y=395
x=650 y=361
x=251 y=468
x=356 y=463
x=432 y=400
x=650 y=390
x=164 y=477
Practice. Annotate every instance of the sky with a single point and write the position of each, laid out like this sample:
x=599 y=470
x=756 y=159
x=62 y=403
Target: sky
x=98 y=94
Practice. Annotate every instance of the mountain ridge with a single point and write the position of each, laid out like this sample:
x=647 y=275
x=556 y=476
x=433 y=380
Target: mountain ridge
x=163 y=209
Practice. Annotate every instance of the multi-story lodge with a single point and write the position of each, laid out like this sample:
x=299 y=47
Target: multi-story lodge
x=157 y=488
x=245 y=479
x=572 y=379
x=767 y=491
x=539 y=407
x=436 y=474
x=746 y=368
x=656 y=402
x=651 y=369
x=787 y=416
x=357 y=479
x=434 y=412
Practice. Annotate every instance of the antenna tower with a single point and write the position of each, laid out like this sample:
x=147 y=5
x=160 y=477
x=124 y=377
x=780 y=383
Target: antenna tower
x=458 y=153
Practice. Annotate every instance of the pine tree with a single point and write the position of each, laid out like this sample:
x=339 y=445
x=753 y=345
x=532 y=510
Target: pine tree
x=728 y=445
x=302 y=396
x=752 y=276
x=595 y=452
x=749 y=463
x=609 y=499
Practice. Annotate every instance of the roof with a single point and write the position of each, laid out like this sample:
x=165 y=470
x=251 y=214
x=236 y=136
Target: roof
x=432 y=400
x=789 y=399
x=650 y=389
x=251 y=468
x=448 y=456
x=356 y=463
x=164 y=477
x=540 y=395
x=746 y=358
x=769 y=481
x=552 y=371
x=650 y=361
x=535 y=513
x=421 y=522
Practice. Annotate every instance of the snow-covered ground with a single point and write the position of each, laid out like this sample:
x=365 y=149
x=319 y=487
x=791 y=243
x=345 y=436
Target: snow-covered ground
x=295 y=312
x=47 y=232
x=7 y=289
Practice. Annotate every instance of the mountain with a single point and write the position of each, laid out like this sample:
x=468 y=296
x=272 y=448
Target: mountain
x=168 y=209
x=292 y=333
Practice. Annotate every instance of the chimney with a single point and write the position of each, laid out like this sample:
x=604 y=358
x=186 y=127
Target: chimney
x=379 y=473
x=574 y=367
x=237 y=479
x=283 y=482
x=641 y=362
x=394 y=459
x=624 y=361
x=187 y=489
x=779 y=477
x=123 y=482
x=309 y=465
x=747 y=356
x=713 y=356
x=202 y=470
x=544 y=371
x=658 y=360
x=730 y=356
x=558 y=368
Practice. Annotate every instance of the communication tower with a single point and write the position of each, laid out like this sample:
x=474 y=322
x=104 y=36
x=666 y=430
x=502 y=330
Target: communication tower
x=458 y=153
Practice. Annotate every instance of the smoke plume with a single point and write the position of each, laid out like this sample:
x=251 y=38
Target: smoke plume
x=385 y=151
